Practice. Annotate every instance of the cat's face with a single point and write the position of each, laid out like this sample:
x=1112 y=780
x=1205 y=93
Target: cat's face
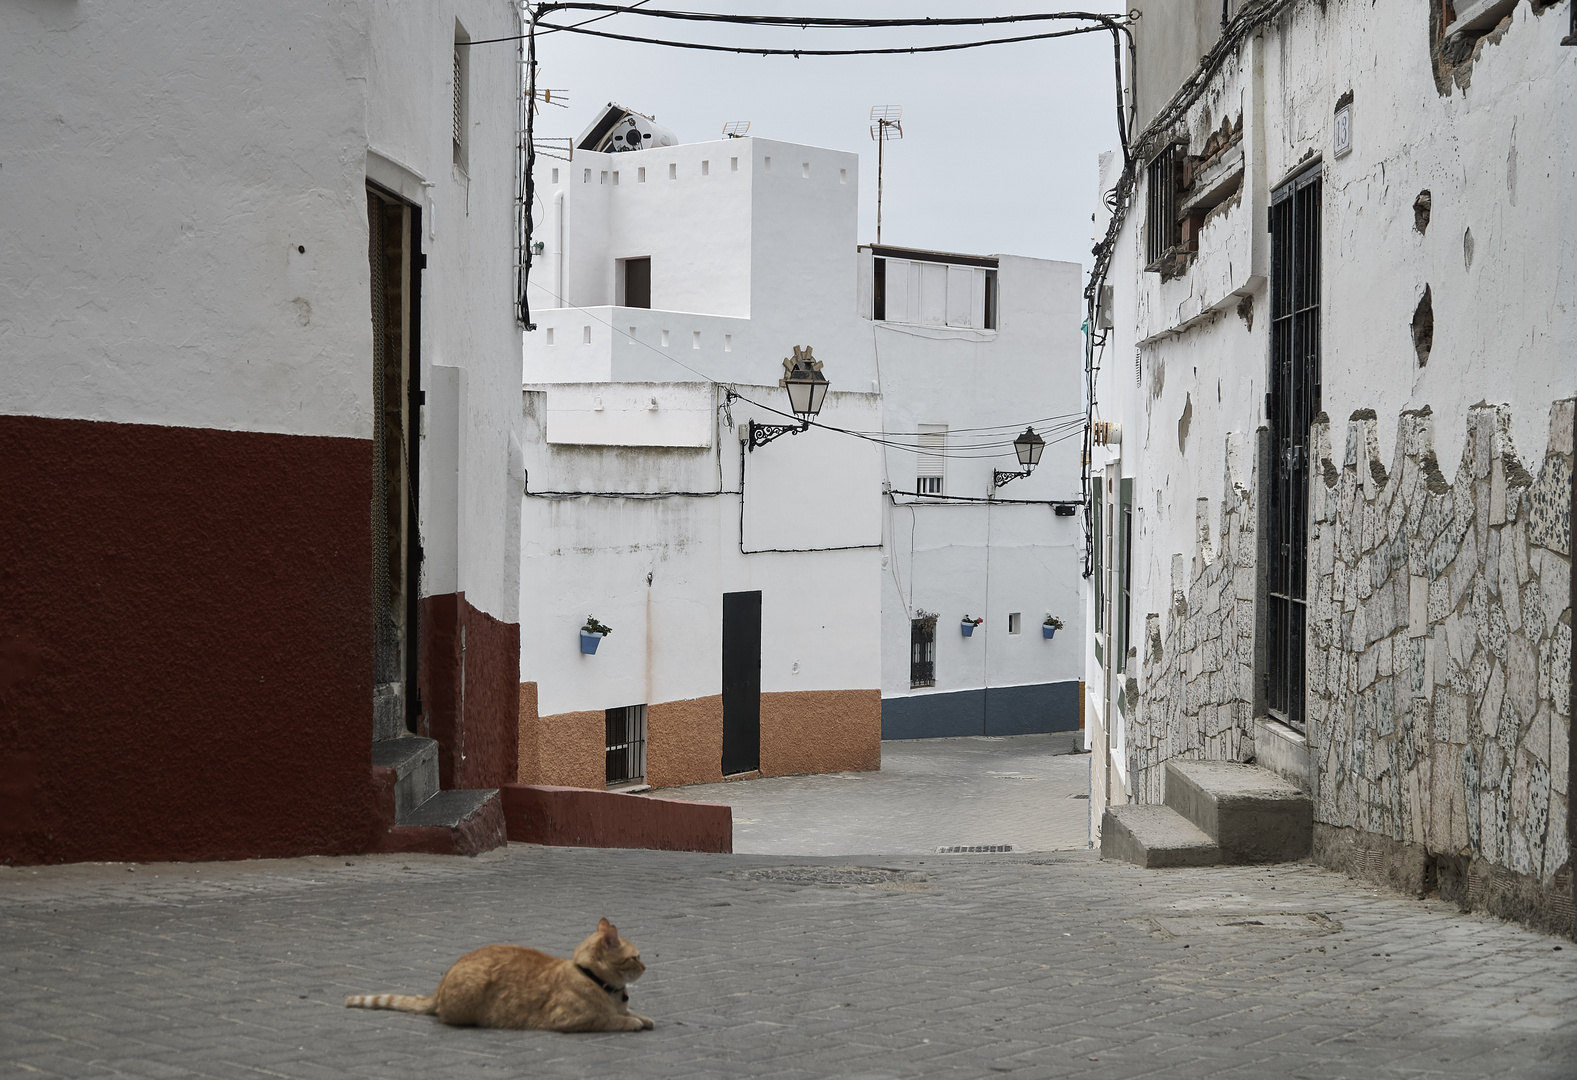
x=615 y=954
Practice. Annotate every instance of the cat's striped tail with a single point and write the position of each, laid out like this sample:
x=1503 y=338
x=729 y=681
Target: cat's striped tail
x=398 y=1002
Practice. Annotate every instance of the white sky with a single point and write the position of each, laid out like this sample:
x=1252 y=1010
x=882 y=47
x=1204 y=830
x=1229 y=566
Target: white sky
x=999 y=147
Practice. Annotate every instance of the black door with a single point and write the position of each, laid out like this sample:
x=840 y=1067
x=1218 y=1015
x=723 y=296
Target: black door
x=741 y=682
x=1292 y=403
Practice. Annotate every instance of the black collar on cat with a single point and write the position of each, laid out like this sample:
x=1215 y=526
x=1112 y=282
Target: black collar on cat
x=586 y=971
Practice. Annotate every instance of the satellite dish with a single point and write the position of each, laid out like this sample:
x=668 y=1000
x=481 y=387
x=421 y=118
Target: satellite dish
x=617 y=129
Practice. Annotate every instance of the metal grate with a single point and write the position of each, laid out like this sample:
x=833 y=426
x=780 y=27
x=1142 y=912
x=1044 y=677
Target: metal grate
x=626 y=745
x=972 y=849
x=922 y=652
x=386 y=635
x=1161 y=229
x=1292 y=403
x=459 y=108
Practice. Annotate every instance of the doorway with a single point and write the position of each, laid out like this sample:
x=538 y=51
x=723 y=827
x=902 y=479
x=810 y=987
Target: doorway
x=1291 y=405
x=741 y=682
x=394 y=227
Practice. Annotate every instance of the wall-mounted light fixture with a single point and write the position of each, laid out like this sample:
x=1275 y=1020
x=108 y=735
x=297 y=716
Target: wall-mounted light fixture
x=807 y=389
x=1028 y=447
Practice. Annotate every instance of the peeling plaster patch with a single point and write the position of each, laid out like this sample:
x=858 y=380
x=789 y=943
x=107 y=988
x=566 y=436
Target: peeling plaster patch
x=1467 y=249
x=1185 y=422
x=1511 y=168
x=1424 y=327
x=1246 y=312
x=1421 y=208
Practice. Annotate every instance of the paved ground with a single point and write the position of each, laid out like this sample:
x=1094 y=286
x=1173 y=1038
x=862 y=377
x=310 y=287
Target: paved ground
x=864 y=967
x=1028 y=791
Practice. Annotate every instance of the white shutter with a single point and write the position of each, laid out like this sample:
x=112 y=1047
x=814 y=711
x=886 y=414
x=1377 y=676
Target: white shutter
x=933 y=294
x=930 y=463
x=897 y=290
x=960 y=286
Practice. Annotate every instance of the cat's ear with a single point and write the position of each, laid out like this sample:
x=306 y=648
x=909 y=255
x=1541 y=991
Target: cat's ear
x=609 y=932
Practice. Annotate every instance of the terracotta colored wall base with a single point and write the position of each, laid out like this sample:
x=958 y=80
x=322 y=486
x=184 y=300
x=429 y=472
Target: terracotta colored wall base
x=569 y=750
x=818 y=731
x=574 y=817
x=684 y=742
x=185 y=642
x=477 y=730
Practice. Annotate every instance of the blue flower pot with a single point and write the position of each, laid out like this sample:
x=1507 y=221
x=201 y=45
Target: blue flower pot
x=967 y=629
x=589 y=643
x=1047 y=631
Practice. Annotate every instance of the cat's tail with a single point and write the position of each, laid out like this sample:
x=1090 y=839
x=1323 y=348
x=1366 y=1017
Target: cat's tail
x=398 y=1002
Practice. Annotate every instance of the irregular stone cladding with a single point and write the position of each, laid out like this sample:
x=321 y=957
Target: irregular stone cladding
x=1198 y=697
x=1439 y=648
x=1439 y=652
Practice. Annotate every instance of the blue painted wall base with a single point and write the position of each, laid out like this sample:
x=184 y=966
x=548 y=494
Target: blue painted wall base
x=999 y=710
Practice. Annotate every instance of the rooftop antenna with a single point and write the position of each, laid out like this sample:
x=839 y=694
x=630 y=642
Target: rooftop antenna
x=884 y=125
x=544 y=96
x=735 y=129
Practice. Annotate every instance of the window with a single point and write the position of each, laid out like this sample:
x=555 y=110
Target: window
x=991 y=300
x=673 y=171
x=931 y=462
x=922 y=651
x=635 y=282
x=626 y=745
x=462 y=102
x=1125 y=577
x=706 y=168
x=1015 y=622
x=1161 y=232
x=934 y=289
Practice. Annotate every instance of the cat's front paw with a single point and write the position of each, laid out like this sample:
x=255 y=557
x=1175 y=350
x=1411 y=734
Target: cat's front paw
x=646 y=1022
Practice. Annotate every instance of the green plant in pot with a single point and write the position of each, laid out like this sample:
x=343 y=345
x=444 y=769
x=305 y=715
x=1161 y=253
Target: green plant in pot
x=592 y=633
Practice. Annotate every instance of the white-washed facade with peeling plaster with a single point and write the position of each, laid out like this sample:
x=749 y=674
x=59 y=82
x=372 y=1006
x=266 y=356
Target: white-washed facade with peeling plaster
x=1438 y=439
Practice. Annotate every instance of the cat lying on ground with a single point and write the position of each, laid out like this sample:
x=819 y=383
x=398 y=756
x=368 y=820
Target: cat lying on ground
x=507 y=986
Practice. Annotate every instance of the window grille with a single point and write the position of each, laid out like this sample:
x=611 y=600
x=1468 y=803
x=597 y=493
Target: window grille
x=1162 y=234
x=922 y=651
x=626 y=745
x=459 y=104
x=1292 y=403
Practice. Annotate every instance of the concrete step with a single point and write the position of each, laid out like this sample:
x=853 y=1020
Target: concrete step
x=448 y=809
x=1252 y=815
x=465 y=822
x=1154 y=836
x=415 y=764
x=388 y=712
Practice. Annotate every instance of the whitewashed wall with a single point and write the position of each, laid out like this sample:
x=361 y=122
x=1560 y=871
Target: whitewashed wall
x=589 y=554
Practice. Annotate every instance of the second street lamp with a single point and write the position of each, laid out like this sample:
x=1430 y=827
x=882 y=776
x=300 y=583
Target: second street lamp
x=807 y=389
x=1028 y=447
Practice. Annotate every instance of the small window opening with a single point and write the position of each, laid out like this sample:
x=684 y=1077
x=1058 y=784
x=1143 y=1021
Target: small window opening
x=879 y=292
x=706 y=168
x=665 y=339
x=922 y=651
x=695 y=339
x=585 y=335
x=991 y=300
x=843 y=176
x=585 y=176
x=728 y=342
x=931 y=461
x=733 y=164
x=555 y=176
x=615 y=178
x=766 y=163
x=462 y=103
x=549 y=335
x=1015 y=622
x=626 y=745
x=603 y=177
x=1162 y=234
x=640 y=175
x=804 y=170
x=673 y=171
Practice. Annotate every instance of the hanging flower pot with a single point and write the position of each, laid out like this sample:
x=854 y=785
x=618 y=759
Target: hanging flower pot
x=1049 y=628
x=967 y=627
x=591 y=635
x=1048 y=631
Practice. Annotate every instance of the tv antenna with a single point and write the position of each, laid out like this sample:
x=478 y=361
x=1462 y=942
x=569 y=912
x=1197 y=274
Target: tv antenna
x=735 y=129
x=544 y=96
x=885 y=124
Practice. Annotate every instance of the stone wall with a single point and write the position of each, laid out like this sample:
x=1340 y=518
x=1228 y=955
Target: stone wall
x=1197 y=698
x=1440 y=642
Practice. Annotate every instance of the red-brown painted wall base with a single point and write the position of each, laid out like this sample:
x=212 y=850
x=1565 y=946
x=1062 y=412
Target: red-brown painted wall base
x=581 y=817
x=185 y=643
x=470 y=681
x=482 y=831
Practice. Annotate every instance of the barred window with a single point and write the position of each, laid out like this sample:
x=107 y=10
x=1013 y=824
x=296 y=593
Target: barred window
x=626 y=745
x=922 y=651
x=1162 y=234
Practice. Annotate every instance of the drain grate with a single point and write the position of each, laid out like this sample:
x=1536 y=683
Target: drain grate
x=970 y=849
x=833 y=875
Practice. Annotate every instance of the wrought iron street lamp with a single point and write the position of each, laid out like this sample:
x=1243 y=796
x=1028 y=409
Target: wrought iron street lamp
x=807 y=389
x=1028 y=447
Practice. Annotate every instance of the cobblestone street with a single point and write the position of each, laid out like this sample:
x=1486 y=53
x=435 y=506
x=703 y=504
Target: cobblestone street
x=778 y=965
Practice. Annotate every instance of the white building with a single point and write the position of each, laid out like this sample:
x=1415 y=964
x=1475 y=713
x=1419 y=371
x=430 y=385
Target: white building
x=1333 y=516
x=238 y=245
x=671 y=285
x=971 y=350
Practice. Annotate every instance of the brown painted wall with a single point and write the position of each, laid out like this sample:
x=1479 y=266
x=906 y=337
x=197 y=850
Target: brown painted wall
x=526 y=748
x=812 y=731
x=684 y=741
x=570 y=750
x=476 y=719
x=805 y=731
x=185 y=642
x=575 y=817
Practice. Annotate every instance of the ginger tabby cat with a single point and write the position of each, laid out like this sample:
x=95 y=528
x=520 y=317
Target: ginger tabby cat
x=507 y=986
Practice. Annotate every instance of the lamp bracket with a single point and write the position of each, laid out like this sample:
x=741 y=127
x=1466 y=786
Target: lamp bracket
x=761 y=434
x=998 y=477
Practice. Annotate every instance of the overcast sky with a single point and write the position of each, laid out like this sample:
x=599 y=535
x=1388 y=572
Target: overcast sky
x=1000 y=144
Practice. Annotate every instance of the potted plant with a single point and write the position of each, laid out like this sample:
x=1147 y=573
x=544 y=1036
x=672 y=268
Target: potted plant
x=591 y=635
x=967 y=627
x=1049 y=628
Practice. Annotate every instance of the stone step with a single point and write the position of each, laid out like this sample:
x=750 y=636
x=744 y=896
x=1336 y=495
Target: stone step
x=448 y=809
x=1252 y=815
x=388 y=712
x=415 y=764
x=463 y=822
x=1154 y=836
